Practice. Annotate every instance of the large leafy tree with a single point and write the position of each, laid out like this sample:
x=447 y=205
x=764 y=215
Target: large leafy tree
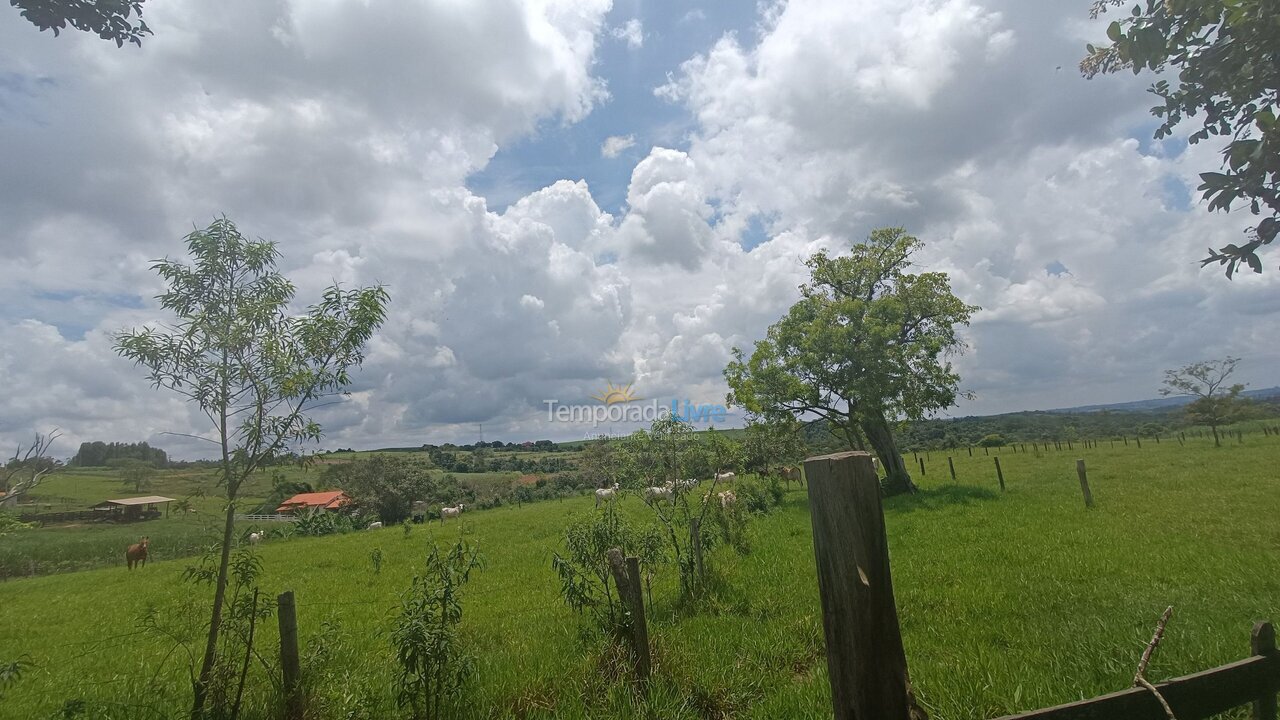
x=1227 y=55
x=253 y=368
x=866 y=346
x=1216 y=403
x=770 y=444
x=117 y=20
x=389 y=485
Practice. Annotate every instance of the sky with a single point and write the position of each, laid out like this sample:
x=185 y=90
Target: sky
x=564 y=194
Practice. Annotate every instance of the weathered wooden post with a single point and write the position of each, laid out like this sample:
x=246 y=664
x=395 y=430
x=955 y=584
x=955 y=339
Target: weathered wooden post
x=626 y=575
x=1263 y=642
x=865 y=660
x=952 y=467
x=1084 y=483
x=286 y=612
x=999 y=473
x=971 y=451
x=921 y=465
x=1138 y=439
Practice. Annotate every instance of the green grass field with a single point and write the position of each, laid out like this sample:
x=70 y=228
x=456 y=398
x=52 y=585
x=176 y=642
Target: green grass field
x=1008 y=601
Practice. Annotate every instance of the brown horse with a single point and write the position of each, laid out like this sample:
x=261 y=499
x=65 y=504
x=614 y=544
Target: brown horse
x=137 y=554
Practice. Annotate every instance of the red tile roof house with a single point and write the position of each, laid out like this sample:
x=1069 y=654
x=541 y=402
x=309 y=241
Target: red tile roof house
x=331 y=500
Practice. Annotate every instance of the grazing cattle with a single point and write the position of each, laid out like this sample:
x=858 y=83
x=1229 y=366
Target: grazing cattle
x=791 y=473
x=137 y=554
x=255 y=538
x=604 y=495
x=652 y=494
x=727 y=498
x=725 y=477
x=448 y=512
x=685 y=485
x=375 y=525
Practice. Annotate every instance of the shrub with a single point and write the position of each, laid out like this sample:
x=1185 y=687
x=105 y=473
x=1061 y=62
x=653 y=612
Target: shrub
x=584 y=570
x=433 y=666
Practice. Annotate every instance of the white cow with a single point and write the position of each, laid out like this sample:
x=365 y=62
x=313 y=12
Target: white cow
x=725 y=477
x=727 y=498
x=448 y=512
x=686 y=485
x=604 y=495
x=375 y=525
x=652 y=494
x=255 y=538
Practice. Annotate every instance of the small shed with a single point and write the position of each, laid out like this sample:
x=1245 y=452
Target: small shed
x=146 y=507
x=330 y=500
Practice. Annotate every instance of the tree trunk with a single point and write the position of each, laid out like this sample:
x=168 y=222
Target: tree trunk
x=201 y=690
x=897 y=477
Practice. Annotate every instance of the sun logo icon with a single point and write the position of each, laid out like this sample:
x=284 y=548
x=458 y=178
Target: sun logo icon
x=613 y=395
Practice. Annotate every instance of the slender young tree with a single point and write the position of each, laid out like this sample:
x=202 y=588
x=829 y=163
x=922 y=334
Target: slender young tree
x=253 y=368
x=24 y=471
x=1215 y=403
x=866 y=346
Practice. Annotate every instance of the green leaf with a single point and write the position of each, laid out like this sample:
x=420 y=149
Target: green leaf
x=1114 y=32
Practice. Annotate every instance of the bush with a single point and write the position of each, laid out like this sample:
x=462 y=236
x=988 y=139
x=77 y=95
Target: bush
x=759 y=497
x=584 y=570
x=433 y=666
x=992 y=440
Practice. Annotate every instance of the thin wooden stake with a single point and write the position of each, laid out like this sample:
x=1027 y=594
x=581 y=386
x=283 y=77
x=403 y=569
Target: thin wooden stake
x=289 y=665
x=952 y=467
x=1140 y=677
x=999 y=474
x=695 y=540
x=1084 y=483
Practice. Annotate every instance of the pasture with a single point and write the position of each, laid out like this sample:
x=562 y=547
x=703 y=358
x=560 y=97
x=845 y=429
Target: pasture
x=1008 y=601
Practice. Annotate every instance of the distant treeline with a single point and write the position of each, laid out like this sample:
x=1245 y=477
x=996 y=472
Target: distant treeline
x=1033 y=427
x=481 y=460
x=96 y=454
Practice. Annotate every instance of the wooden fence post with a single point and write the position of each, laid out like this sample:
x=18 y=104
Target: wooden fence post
x=999 y=473
x=866 y=663
x=952 y=467
x=970 y=452
x=1138 y=439
x=1263 y=642
x=921 y=465
x=286 y=612
x=626 y=575
x=1084 y=483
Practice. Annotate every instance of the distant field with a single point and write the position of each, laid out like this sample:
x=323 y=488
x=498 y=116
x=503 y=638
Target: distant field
x=65 y=547
x=1009 y=601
